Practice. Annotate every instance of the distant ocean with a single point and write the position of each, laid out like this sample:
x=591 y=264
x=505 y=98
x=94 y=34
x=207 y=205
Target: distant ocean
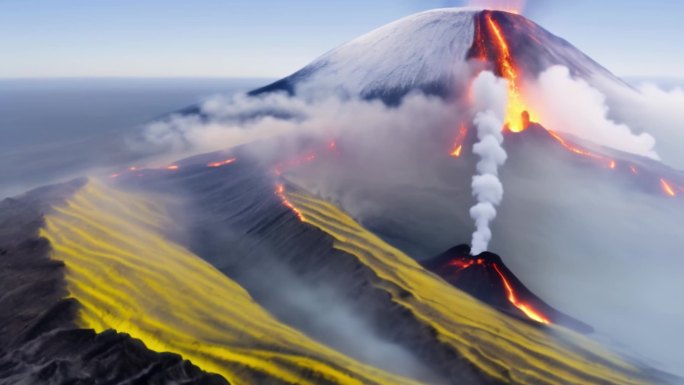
x=56 y=129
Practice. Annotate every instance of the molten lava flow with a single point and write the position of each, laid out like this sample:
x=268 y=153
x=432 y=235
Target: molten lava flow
x=280 y=192
x=221 y=163
x=458 y=144
x=512 y=298
x=505 y=61
x=610 y=162
x=507 y=69
x=172 y=167
x=479 y=43
x=667 y=188
x=461 y=264
x=518 y=116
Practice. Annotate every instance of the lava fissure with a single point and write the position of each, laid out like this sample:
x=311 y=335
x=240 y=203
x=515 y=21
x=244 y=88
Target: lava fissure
x=460 y=139
x=280 y=192
x=529 y=311
x=488 y=30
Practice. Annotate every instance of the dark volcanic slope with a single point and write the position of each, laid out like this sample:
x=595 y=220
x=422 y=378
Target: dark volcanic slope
x=237 y=223
x=39 y=341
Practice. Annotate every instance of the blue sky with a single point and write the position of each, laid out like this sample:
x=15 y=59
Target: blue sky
x=205 y=38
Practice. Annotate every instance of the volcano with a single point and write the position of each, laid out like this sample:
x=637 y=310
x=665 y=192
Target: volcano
x=427 y=52
x=487 y=278
x=294 y=259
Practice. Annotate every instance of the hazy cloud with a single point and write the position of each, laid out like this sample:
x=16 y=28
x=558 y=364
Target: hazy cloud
x=561 y=103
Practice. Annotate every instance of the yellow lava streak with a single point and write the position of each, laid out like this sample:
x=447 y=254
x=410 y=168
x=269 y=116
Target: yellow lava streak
x=128 y=277
x=505 y=348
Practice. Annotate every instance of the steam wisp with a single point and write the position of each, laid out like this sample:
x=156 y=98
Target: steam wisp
x=512 y=6
x=491 y=97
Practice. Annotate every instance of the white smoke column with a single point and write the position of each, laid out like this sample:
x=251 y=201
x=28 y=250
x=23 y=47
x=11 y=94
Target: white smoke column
x=490 y=97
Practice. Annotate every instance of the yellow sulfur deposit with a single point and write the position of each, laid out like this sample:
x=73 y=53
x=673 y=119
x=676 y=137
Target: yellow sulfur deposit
x=505 y=348
x=128 y=277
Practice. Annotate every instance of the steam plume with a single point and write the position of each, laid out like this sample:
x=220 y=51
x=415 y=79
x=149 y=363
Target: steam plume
x=490 y=103
x=563 y=103
x=513 y=6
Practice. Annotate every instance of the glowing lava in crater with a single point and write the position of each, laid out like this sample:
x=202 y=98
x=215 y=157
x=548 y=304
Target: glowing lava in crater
x=491 y=47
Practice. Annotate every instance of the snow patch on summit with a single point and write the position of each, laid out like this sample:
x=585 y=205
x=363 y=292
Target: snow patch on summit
x=428 y=48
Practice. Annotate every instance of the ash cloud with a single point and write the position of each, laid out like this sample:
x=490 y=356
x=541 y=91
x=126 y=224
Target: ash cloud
x=653 y=109
x=229 y=122
x=568 y=105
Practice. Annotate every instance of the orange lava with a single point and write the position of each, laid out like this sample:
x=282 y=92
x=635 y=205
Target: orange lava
x=518 y=115
x=667 y=188
x=280 y=192
x=458 y=144
x=462 y=264
x=221 y=163
x=633 y=170
x=480 y=43
x=609 y=162
x=172 y=167
x=506 y=67
x=528 y=310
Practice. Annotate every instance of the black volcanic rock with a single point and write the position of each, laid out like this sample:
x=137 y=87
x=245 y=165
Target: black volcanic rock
x=487 y=278
x=40 y=342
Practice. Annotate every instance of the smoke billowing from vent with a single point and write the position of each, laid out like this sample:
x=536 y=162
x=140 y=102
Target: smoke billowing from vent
x=513 y=6
x=490 y=102
x=572 y=105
